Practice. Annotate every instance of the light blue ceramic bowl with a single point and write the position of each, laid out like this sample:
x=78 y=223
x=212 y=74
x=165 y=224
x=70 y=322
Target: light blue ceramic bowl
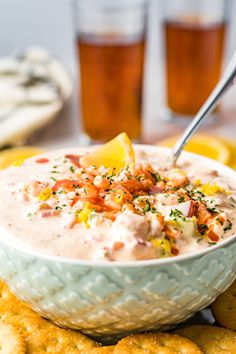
x=113 y=299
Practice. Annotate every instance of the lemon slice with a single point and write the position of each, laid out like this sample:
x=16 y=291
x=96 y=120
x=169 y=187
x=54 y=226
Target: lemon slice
x=205 y=145
x=117 y=153
x=17 y=155
x=231 y=145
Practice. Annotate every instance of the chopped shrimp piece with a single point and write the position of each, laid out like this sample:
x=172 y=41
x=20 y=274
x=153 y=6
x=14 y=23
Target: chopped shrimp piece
x=137 y=169
x=115 y=198
x=85 y=177
x=157 y=224
x=202 y=214
x=102 y=183
x=90 y=190
x=216 y=226
x=167 y=198
x=128 y=208
x=68 y=184
x=44 y=206
x=36 y=187
x=213 y=226
x=171 y=231
x=176 y=178
x=158 y=187
x=135 y=178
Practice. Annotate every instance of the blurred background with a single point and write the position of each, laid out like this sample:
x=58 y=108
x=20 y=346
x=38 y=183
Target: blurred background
x=52 y=25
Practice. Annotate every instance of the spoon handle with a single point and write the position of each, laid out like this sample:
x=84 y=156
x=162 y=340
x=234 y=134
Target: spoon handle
x=227 y=80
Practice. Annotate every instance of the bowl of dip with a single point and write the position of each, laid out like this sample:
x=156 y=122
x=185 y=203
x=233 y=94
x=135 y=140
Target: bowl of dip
x=110 y=253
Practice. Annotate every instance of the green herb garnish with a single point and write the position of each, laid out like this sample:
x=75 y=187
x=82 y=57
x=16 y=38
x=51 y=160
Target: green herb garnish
x=147 y=206
x=72 y=169
x=175 y=213
x=228 y=227
x=181 y=199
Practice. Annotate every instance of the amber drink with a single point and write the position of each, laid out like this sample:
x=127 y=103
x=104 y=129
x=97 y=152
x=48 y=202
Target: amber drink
x=111 y=85
x=110 y=42
x=194 y=46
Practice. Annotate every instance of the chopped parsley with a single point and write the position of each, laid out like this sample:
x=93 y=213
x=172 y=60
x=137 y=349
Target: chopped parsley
x=153 y=210
x=157 y=176
x=196 y=194
x=58 y=207
x=219 y=221
x=213 y=209
x=140 y=177
x=147 y=206
x=174 y=188
x=54 y=179
x=55 y=172
x=72 y=169
x=175 y=213
x=211 y=243
x=228 y=227
x=181 y=199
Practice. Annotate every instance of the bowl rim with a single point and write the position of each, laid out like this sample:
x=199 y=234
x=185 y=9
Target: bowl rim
x=133 y=263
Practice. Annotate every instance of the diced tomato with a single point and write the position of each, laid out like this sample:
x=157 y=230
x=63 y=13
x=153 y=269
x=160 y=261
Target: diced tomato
x=49 y=213
x=42 y=160
x=67 y=184
x=213 y=236
x=74 y=159
x=75 y=200
x=174 y=251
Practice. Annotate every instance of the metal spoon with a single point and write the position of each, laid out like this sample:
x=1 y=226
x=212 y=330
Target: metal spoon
x=226 y=82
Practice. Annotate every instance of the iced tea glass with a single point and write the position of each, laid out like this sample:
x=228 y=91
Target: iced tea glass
x=194 y=44
x=110 y=40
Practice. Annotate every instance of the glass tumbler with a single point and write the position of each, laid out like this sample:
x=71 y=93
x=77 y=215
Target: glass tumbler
x=195 y=32
x=110 y=41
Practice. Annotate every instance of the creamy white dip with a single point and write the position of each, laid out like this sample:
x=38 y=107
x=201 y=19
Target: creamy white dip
x=57 y=220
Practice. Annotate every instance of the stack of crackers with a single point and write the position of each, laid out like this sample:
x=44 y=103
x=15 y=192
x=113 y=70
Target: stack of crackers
x=24 y=331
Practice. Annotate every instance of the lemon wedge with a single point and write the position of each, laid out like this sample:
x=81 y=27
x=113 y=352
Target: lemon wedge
x=17 y=155
x=116 y=153
x=205 y=145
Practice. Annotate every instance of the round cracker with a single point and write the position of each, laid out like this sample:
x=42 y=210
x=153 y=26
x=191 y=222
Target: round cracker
x=224 y=308
x=43 y=336
x=104 y=350
x=153 y=343
x=52 y=339
x=11 y=341
x=212 y=340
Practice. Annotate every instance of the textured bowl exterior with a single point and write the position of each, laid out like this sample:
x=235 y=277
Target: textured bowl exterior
x=113 y=299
